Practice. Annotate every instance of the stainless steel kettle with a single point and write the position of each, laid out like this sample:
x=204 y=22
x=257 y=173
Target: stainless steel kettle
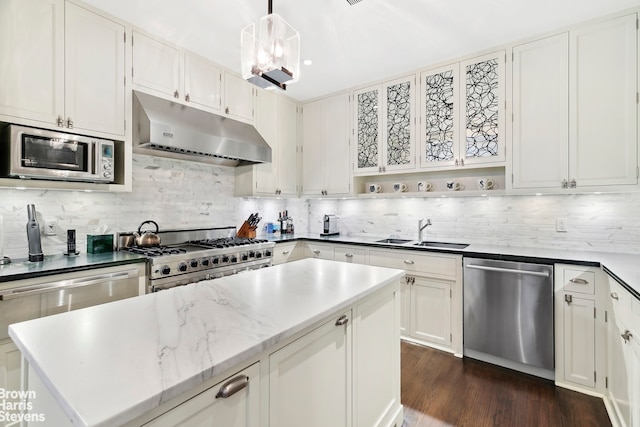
x=147 y=238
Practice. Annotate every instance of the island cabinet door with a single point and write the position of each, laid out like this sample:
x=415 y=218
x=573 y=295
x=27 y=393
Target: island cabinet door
x=310 y=379
x=235 y=402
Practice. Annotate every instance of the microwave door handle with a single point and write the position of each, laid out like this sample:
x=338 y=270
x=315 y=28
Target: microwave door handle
x=66 y=284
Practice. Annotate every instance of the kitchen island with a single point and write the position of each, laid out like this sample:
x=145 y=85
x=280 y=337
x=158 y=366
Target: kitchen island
x=141 y=359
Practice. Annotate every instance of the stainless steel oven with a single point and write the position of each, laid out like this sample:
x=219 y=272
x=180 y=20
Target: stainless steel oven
x=43 y=154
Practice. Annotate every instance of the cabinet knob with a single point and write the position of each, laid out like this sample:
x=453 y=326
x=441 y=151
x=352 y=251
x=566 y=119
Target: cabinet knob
x=409 y=261
x=456 y=162
x=461 y=162
x=69 y=123
x=626 y=336
x=316 y=251
x=614 y=295
x=232 y=386
x=176 y=94
x=342 y=320
x=226 y=110
x=564 y=184
x=60 y=121
x=573 y=184
x=579 y=281
x=187 y=98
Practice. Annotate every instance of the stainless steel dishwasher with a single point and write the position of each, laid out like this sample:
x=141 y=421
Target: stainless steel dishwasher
x=508 y=315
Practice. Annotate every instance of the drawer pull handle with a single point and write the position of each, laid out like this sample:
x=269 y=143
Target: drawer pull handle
x=409 y=261
x=578 y=281
x=232 y=386
x=626 y=336
x=342 y=320
x=285 y=252
x=614 y=295
x=349 y=255
x=316 y=251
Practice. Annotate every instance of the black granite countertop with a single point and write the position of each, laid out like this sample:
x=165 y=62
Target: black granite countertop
x=624 y=268
x=56 y=264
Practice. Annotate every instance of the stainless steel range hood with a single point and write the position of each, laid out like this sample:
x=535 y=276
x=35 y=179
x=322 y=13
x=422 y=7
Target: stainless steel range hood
x=168 y=129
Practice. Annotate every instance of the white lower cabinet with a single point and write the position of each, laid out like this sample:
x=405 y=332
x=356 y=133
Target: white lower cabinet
x=350 y=253
x=623 y=356
x=580 y=328
x=430 y=310
x=10 y=371
x=431 y=297
x=287 y=252
x=310 y=379
x=234 y=402
x=319 y=250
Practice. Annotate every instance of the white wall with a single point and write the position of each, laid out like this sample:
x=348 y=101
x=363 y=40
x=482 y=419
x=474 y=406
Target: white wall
x=596 y=222
x=180 y=194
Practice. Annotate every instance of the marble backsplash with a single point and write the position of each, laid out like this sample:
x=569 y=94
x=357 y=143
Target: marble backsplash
x=595 y=222
x=181 y=194
x=174 y=193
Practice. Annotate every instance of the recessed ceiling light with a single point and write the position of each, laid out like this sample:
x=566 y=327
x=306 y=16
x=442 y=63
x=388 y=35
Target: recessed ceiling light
x=307 y=62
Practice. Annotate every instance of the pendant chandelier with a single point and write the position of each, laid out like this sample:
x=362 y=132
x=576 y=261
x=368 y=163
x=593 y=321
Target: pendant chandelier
x=273 y=58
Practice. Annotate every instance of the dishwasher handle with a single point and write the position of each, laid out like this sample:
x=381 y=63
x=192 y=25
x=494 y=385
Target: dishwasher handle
x=66 y=284
x=508 y=270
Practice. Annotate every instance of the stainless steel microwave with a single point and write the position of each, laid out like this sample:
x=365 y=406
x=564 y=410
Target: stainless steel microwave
x=43 y=154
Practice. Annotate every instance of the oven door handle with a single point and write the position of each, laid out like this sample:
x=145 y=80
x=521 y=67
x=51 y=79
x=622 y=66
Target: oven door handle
x=66 y=284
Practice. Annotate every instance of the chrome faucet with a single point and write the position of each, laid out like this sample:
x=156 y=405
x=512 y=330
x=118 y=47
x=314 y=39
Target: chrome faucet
x=422 y=227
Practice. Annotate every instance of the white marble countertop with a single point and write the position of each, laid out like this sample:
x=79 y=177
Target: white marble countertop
x=111 y=363
x=624 y=267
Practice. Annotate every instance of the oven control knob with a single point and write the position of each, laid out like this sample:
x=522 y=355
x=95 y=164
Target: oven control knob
x=193 y=263
x=165 y=270
x=225 y=258
x=182 y=267
x=252 y=254
x=215 y=260
x=245 y=257
x=267 y=252
x=205 y=261
x=258 y=254
x=234 y=259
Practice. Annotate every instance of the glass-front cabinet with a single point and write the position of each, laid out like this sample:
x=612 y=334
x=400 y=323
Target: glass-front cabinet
x=384 y=127
x=463 y=113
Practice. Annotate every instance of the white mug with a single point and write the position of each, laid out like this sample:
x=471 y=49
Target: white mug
x=373 y=188
x=454 y=185
x=399 y=187
x=485 y=184
x=424 y=186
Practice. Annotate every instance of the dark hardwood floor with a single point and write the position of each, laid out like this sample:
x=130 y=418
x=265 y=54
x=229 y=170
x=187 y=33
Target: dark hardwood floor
x=439 y=389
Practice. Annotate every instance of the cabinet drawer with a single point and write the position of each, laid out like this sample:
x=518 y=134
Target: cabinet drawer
x=314 y=250
x=350 y=254
x=440 y=266
x=579 y=281
x=286 y=252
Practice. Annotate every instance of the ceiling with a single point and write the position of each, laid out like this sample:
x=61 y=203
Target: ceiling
x=353 y=45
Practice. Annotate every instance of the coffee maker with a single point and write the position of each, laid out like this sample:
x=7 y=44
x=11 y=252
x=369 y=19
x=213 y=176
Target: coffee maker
x=330 y=225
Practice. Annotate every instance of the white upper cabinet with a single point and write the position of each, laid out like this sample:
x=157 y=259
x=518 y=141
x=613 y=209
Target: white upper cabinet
x=73 y=76
x=239 y=98
x=164 y=70
x=33 y=84
x=325 y=153
x=603 y=115
x=202 y=82
x=94 y=72
x=277 y=122
x=462 y=109
x=540 y=112
x=156 y=65
x=575 y=109
x=384 y=122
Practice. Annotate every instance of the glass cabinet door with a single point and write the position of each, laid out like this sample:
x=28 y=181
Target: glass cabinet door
x=367 y=130
x=399 y=120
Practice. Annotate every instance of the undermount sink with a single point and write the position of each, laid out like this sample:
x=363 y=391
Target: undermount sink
x=442 y=245
x=394 y=241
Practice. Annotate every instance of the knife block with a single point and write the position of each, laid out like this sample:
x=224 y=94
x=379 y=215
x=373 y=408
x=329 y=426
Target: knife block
x=246 y=231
